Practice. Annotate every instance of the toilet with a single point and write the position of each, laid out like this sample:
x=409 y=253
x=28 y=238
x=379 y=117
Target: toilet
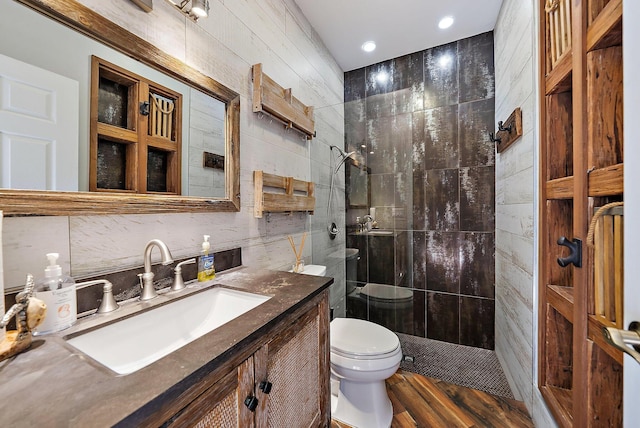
x=363 y=356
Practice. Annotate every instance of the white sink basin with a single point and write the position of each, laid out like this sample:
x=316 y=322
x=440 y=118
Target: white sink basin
x=378 y=232
x=133 y=343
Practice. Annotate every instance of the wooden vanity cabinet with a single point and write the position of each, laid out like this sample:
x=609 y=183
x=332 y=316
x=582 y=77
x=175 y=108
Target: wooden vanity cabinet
x=287 y=375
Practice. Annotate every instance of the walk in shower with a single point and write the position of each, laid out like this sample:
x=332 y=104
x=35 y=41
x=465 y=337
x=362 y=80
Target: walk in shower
x=423 y=169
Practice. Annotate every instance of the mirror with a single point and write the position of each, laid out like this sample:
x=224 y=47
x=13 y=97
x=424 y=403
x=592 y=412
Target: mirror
x=357 y=186
x=120 y=46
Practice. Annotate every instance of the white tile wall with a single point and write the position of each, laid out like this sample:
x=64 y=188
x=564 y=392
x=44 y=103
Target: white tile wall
x=516 y=216
x=236 y=35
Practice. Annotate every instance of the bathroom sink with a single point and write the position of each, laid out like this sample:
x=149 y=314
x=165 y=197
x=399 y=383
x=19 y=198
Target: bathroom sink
x=378 y=232
x=130 y=344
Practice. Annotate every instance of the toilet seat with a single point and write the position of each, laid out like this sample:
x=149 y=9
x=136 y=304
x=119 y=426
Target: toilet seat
x=386 y=293
x=363 y=340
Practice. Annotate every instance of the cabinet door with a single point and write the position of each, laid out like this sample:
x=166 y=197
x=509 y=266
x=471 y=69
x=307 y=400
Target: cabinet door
x=222 y=405
x=295 y=363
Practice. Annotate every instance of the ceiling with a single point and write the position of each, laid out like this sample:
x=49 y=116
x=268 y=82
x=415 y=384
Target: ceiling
x=398 y=27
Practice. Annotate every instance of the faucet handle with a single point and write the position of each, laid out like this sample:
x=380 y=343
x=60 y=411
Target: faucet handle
x=178 y=283
x=109 y=303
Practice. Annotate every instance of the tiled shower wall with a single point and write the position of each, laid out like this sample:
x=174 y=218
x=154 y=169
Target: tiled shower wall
x=420 y=125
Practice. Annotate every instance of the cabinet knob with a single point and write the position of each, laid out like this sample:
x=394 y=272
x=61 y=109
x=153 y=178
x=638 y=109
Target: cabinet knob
x=251 y=402
x=265 y=386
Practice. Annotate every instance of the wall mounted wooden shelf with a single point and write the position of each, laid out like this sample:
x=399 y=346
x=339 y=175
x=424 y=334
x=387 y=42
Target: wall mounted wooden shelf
x=509 y=131
x=277 y=101
x=298 y=195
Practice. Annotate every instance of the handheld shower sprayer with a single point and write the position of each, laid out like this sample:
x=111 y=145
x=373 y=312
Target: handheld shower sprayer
x=345 y=156
x=332 y=228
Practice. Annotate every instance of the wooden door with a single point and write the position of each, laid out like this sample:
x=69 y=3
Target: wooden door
x=580 y=373
x=38 y=128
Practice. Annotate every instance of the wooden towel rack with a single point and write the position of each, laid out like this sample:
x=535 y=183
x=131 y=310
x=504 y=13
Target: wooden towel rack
x=298 y=195
x=277 y=101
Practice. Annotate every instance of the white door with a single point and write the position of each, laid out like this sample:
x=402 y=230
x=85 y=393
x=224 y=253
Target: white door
x=631 y=58
x=38 y=128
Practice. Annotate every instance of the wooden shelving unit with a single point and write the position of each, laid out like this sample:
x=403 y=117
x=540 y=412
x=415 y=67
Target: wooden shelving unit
x=135 y=133
x=580 y=374
x=290 y=194
x=277 y=101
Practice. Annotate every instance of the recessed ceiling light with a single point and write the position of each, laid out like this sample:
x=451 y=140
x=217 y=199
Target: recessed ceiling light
x=382 y=77
x=445 y=60
x=368 y=46
x=446 y=22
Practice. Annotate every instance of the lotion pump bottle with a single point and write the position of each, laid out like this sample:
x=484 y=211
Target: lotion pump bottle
x=58 y=292
x=206 y=268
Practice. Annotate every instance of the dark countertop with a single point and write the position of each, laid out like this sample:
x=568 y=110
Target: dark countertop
x=54 y=385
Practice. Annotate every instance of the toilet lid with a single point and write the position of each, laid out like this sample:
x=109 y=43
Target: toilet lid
x=362 y=338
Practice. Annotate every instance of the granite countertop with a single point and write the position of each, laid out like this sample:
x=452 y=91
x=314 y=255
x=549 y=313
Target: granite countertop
x=52 y=384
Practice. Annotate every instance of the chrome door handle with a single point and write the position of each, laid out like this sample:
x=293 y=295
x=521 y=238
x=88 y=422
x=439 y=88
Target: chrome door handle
x=621 y=339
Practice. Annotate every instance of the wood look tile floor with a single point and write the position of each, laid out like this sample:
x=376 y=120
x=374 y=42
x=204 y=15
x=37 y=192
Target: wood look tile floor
x=419 y=401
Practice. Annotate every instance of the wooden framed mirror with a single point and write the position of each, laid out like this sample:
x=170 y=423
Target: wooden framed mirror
x=90 y=24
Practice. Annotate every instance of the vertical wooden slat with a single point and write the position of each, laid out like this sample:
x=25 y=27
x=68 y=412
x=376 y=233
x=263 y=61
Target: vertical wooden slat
x=556 y=35
x=547 y=39
x=260 y=365
x=563 y=28
x=598 y=269
x=165 y=122
x=324 y=366
x=258 y=202
x=245 y=388
x=609 y=276
x=288 y=189
x=154 y=116
x=567 y=7
x=138 y=168
x=618 y=266
x=257 y=87
x=580 y=208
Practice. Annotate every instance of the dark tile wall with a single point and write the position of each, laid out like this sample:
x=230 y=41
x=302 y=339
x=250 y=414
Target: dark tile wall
x=420 y=123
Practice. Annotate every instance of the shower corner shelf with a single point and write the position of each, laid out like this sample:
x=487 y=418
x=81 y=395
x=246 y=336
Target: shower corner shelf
x=278 y=102
x=298 y=195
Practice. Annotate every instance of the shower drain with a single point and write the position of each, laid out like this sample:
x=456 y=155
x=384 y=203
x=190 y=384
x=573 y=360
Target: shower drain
x=408 y=359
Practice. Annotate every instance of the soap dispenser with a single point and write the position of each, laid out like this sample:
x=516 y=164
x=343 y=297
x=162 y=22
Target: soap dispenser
x=58 y=292
x=206 y=268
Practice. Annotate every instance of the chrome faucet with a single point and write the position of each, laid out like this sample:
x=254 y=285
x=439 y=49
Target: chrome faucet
x=367 y=222
x=148 y=292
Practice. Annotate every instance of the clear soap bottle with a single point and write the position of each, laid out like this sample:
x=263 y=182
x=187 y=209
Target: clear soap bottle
x=206 y=268
x=58 y=292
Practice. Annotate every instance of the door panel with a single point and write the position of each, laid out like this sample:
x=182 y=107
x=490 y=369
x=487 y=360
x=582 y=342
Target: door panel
x=38 y=127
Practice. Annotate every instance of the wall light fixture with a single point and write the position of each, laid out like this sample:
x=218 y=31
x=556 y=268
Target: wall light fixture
x=193 y=9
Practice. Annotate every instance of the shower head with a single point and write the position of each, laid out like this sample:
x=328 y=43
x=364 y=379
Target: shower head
x=345 y=156
x=342 y=152
x=332 y=228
